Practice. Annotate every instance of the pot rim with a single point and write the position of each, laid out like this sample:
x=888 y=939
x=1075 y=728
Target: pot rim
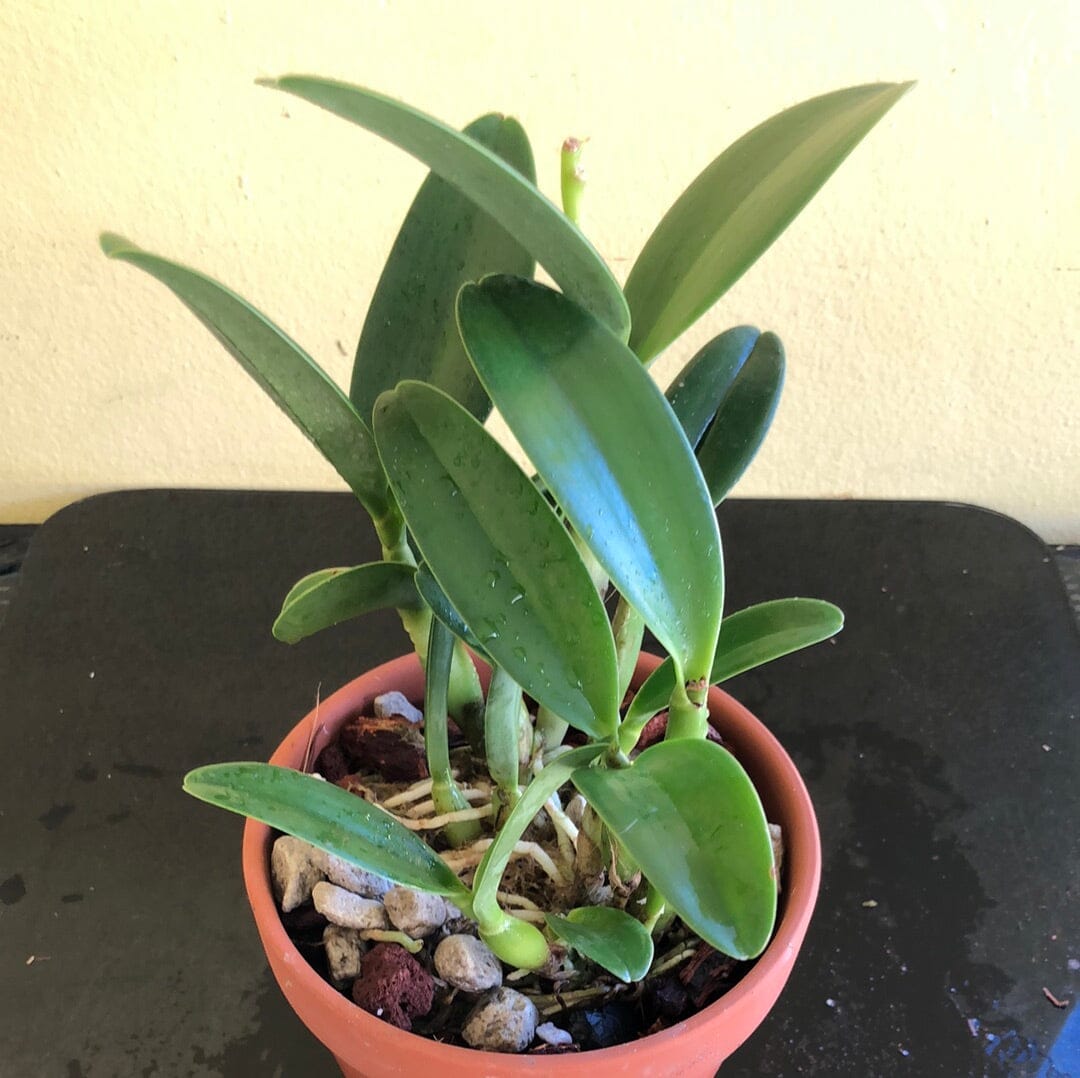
x=741 y=729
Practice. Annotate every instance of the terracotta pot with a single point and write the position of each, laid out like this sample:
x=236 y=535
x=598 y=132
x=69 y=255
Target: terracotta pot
x=366 y=1046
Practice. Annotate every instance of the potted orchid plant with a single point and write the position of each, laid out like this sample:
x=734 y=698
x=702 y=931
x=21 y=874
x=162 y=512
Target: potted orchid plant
x=631 y=835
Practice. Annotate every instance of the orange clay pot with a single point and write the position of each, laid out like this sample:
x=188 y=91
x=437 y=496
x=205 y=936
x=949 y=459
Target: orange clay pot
x=366 y=1046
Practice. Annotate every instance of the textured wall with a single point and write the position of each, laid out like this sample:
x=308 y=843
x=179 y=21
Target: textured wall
x=927 y=297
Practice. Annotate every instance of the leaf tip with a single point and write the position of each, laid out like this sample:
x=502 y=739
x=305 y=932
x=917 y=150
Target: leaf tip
x=114 y=245
x=282 y=633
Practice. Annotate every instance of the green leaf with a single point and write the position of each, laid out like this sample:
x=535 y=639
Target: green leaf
x=292 y=379
x=536 y=223
x=599 y=431
x=748 y=638
x=309 y=581
x=743 y=417
x=335 y=595
x=688 y=814
x=610 y=937
x=734 y=210
x=445 y=240
x=700 y=387
x=328 y=817
x=441 y=607
x=771 y=630
x=500 y=554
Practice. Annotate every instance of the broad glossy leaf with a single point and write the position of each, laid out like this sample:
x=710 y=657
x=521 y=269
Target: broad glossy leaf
x=748 y=638
x=608 y=446
x=535 y=222
x=445 y=240
x=335 y=595
x=743 y=418
x=700 y=387
x=610 y=937
x=497 y=550
x=328 y=817
x=309 y=581
x=442 y=608
x=770 y=630
x=292 y=379
x=688 y=814
x=734 y=210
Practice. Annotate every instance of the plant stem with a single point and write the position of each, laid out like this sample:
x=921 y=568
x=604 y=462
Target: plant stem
x=514 y=941
x=465 y=698
x=501 y=743
x=550 y=727
x=444 y=791
x=629 y=628
x=573 y=178
x=654 y=908
x=686 y=717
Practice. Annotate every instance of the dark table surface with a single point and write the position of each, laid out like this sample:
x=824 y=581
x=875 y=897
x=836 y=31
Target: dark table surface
x=939 y=735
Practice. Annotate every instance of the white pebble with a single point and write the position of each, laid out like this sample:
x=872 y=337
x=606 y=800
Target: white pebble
x=344 y=952
x=394 y=703
x=416 y=913
x=468 y=963
x=295 y=869
x=550 y=1033
x=353 y=877
x=504 y=1021
x=346 y=909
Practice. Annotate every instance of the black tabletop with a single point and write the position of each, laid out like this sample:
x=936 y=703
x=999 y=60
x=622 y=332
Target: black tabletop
x=939 y=735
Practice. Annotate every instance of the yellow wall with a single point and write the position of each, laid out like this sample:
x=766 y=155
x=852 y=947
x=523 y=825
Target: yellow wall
x=927 y=298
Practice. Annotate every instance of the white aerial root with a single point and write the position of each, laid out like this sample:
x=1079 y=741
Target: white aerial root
x=508 y=898
x=470 y=856
x=565 y=830
x=433 y=823
x=416 y=811
x=413 y=793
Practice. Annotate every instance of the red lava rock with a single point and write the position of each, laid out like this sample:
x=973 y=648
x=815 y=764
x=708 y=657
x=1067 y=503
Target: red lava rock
x=393 y=986
x=394 y=747
x=654 y=730
x=331 y=763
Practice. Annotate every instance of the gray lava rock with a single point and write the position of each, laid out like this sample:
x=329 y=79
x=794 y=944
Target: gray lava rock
x=394 y=703
x=295 y=867
x=468 y=963
x=415 y=913
x=344 y=953
x=504 y=1021
x=342 y=907
x=353 y=878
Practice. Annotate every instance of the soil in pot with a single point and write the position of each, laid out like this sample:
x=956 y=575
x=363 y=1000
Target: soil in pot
x=413 y=961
